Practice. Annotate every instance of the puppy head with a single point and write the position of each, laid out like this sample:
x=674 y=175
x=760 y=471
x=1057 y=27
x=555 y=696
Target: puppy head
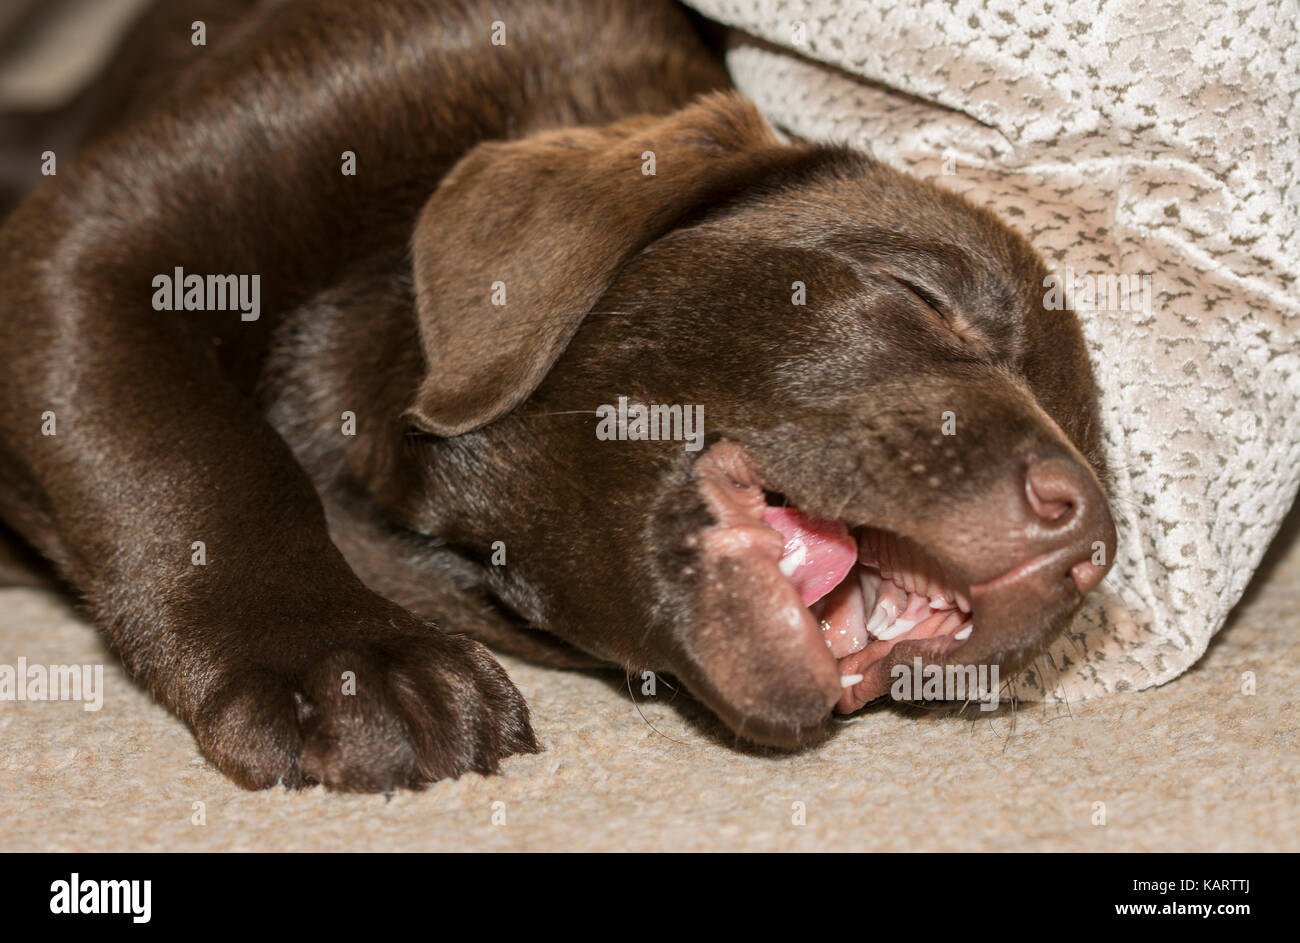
x=899 y=452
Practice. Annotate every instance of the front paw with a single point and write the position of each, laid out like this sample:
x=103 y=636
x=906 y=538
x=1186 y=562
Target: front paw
x=366 y=714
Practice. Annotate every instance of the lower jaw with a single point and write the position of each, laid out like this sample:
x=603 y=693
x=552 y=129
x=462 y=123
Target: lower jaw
x=873 y=666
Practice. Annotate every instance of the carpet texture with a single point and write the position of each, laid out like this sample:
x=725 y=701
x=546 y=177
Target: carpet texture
x=1194 y=765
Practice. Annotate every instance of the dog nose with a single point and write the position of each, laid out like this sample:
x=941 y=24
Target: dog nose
x=1071 y=513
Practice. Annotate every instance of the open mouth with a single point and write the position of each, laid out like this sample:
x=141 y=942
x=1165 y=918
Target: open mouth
x=858 y=598
x=800 y=611
x=869 y=590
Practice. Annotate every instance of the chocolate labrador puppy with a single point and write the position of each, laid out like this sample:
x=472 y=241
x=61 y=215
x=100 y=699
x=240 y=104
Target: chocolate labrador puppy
x=357 y=331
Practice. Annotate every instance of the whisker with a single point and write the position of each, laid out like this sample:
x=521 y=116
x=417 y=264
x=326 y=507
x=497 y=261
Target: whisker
x=1065 y=695
x=646 y=720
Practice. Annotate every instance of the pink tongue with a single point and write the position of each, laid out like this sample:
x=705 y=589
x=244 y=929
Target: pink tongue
x=821 y=550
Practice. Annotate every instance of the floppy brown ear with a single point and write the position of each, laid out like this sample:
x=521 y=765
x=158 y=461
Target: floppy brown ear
x=548 y=221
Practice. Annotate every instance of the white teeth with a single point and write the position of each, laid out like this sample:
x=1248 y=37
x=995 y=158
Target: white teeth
x=848 y=681
x=964 y=633
x=878 y=618
x=886 y=611
x=894 y=629
x=792 y=561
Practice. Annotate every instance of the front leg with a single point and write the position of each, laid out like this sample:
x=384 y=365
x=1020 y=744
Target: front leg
x=202 y=550
x=125 y=446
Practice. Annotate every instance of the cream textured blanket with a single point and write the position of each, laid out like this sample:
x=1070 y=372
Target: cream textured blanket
x=1151 y=152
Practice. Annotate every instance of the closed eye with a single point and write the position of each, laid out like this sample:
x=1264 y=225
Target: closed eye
x=926 y=298
x=954 y=322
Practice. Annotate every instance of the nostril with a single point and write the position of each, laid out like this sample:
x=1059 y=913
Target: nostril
x=1050 y=511
x=1053 y=490
x=1079 y=531
x=1086 y=576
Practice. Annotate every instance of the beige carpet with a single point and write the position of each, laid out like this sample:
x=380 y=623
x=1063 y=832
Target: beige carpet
x=1194 y=765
